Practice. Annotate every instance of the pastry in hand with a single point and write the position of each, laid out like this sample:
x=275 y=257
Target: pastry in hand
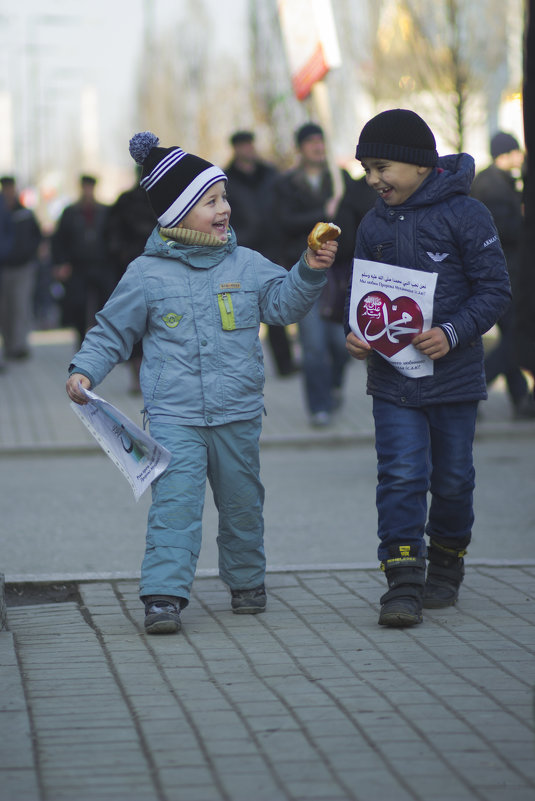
x=322 y=232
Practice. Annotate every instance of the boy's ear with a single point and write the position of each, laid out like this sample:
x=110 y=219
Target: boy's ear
x=423 y=170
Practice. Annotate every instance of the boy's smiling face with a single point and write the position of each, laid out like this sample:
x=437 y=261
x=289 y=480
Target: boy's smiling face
x=211 y=214
x=394 y=181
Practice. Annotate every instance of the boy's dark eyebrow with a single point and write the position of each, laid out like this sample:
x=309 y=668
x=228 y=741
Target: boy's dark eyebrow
x=366 y=165
x=377 y=162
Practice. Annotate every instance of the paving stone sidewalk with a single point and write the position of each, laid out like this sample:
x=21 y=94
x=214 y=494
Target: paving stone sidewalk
x=311 y=700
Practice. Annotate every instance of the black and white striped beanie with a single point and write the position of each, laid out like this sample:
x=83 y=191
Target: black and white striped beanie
x=173 y=179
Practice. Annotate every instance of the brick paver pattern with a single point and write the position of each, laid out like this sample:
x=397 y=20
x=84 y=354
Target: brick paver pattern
x=311 y=701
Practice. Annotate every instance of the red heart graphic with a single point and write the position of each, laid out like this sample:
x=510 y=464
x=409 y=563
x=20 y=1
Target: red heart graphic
x=389 y=325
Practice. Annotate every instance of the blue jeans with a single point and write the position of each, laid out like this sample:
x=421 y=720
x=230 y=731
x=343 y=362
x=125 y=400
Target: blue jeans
x=324 y=357
x=421 y=450
x=228 y=455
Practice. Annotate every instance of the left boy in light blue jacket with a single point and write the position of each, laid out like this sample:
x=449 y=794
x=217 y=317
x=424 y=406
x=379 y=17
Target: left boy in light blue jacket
x=197 y=299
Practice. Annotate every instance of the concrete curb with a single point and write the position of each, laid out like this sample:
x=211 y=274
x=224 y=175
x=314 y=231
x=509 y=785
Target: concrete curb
x=319 y=439
x=86 y=578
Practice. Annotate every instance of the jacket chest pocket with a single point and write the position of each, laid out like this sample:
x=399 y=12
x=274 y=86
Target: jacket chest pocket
x=383 y=251
x=169 y=312
x=238 y=310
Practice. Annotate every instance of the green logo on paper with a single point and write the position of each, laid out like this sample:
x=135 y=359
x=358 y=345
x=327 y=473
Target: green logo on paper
x=172 y=320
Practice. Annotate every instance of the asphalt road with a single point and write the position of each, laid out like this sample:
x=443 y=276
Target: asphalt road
x=72 y=515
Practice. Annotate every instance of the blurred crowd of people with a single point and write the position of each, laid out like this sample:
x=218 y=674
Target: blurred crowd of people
x=273 y=212
x=63 y=279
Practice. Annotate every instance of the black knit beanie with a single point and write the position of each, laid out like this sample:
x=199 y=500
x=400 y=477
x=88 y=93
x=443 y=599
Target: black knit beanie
x=501 y=143
x=306 y=130
x=399 y=135
x=174 y=180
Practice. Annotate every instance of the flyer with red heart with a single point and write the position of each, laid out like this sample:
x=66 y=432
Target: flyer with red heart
x=389 y=306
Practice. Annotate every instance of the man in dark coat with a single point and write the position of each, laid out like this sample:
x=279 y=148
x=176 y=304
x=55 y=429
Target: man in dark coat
x=130 y=223
x=18 y=274
x=6 y=240
x=304 y=196
x=250 y=193
x=81 y=260
x=496 y=187
x=525 y=296
x=357 y=200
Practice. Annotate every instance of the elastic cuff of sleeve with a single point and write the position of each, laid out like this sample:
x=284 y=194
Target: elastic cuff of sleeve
x=451 y=334
x=74 y=369
x=309 y=273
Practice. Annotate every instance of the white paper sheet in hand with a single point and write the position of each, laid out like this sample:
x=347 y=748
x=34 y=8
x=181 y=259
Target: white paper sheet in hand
x=389 y=306
x=137 y=455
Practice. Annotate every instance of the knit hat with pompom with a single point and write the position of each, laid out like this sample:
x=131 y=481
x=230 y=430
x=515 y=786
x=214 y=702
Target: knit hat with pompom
x=174 y=180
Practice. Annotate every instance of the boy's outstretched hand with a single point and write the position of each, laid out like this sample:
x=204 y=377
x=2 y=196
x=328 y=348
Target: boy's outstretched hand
x=324 y=257
x=73 y=387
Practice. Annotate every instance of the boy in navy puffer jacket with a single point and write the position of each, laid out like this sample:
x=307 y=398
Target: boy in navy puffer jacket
x=425 y=220
x=196 y=300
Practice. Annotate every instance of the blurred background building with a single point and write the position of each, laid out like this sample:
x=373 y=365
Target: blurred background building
x=76 y=80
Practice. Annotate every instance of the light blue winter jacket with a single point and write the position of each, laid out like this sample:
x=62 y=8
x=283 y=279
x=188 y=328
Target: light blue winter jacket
x=198 y=310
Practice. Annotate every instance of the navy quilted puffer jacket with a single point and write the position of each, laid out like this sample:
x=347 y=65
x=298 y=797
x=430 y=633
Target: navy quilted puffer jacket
x=441 y=229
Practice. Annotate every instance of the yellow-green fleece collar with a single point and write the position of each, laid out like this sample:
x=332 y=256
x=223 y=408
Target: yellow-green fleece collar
x=188 y=236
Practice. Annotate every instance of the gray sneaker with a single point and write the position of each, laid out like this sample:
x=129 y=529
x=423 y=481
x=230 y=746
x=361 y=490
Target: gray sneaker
x=162 y=616
x=249 y=602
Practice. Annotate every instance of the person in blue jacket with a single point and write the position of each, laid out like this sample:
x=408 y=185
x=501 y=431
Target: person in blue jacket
x=196 y=300
x=424 y=219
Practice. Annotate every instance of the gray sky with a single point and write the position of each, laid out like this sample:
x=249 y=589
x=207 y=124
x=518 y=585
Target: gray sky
x=51 y=52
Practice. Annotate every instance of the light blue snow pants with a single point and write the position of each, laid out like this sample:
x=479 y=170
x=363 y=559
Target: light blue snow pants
x=229 y=456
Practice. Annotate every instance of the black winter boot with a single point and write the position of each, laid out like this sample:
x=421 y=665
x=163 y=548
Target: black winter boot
x=405 y=573
x=445 y=573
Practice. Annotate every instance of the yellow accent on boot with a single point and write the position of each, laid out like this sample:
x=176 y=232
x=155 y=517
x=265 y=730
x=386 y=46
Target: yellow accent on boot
x=452 y=551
